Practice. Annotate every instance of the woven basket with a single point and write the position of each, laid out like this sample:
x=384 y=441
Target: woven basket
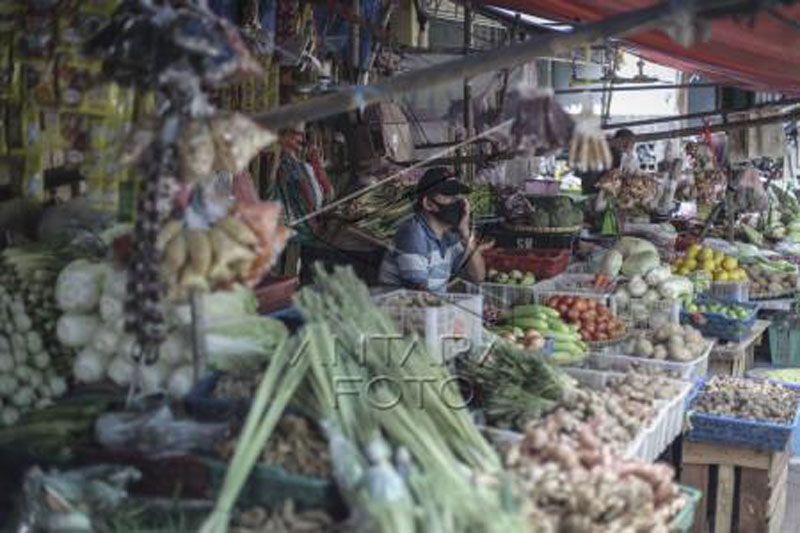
x=524 y=228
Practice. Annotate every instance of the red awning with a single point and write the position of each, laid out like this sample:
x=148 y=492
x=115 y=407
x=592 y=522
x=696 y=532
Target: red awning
x=765 y=57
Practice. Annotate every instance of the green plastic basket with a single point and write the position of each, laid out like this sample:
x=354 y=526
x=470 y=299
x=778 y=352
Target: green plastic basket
x=684 y=521
x=270 y=486
x=784 y=343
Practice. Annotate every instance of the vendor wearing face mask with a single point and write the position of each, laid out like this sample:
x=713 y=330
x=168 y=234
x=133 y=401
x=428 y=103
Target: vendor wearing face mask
x=436 y=243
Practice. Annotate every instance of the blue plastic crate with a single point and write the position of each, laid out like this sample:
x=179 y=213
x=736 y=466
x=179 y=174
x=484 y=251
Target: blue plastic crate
x=201 y=404
x=731 y=431
x=719 y=326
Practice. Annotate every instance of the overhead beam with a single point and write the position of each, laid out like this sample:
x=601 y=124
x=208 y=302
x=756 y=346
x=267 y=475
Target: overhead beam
x=356 y=97
x=714 y=128
x=699 y=114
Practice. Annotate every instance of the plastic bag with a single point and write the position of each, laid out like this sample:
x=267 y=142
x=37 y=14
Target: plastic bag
x=65 y=501
x=156 y=432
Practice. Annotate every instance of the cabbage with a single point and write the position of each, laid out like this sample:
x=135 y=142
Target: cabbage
x=612 y=263
x=242 y=343
x=236 y=302
x=657 y=275
x=640 y=263
x=675 y=287
x=629 y=246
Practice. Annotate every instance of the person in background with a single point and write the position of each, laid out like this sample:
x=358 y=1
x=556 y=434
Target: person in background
x=436 y=243
x=624 y=159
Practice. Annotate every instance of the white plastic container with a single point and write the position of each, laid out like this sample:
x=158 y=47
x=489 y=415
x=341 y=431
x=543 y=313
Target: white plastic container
x=616 y=362
x=452 y=326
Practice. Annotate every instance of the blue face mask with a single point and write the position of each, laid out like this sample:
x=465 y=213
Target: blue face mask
x=450 y=214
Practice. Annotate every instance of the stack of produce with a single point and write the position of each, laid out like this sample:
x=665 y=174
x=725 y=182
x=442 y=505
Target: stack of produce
x=633 y=192
x=771 y=279
x=297 y=447
x=240 y=247
x=554 y=212
x=379 y=211
x=572 y=482
x=513 y=387
x=32 y=361
x=513 y=277
x=482 y=201
x=286 y=519
x=539 y=321
x=716 y=264
x=732 y=311
x=747 y=398
x=589 y=318
x=670 y=342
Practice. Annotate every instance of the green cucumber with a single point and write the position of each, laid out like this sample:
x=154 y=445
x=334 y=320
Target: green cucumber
x=533 y=309
x=560 y=336
x=528 y=323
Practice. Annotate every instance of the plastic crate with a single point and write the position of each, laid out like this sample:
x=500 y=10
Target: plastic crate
x=688 y=371
x=573 y=284
x=641 y=314
x=669 y=424
x=505 y=296
x=731 y=431
x=784 y=342
x=764 y=373
x=730 y=291
x=542 y=263
x=448 y=329
x=270 y=486
x=684 y=520
x=722 y=327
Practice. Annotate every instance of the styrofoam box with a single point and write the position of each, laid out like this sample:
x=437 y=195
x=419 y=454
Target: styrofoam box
x=610 y=361
x=447 y=329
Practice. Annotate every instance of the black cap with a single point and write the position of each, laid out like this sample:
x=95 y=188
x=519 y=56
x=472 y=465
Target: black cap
x=440 y=180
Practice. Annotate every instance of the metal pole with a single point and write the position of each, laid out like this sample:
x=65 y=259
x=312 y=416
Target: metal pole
x=505 y=57
x=468 y=118
x=627 y=88
x=730 y=126
x=699 y=114
x=355 y=42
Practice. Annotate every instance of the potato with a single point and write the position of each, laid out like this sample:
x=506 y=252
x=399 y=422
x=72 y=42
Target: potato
x=660 y=352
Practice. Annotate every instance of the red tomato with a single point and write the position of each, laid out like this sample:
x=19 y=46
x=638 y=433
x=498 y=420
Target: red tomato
x=573 y=314
x=553 y=301
x=568 y=300
x=580 y=305
x=589 y=315
x=602 y=337
x=602 y=326
x=589 y=327
x=562 y=309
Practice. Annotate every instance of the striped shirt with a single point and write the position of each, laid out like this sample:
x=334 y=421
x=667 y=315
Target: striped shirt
x=420 y=258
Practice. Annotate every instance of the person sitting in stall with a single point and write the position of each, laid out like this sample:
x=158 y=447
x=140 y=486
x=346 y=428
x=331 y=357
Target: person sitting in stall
x=436 y=243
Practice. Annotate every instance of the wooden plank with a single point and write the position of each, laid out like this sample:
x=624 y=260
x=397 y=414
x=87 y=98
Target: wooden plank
x=724 y=508
x=777 y=488
x=753 y=488
x=700 y=453
x=721 y=367
x=779 y=463
x=778 y=515
x=697 y=476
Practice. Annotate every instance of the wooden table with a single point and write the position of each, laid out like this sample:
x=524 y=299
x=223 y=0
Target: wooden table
x=736 y=358
x=743 y=489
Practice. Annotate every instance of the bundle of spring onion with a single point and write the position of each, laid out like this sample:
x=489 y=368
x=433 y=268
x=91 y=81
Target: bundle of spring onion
x=32 y=361
x=397 y=417
x=404 y=457
x=379 y=211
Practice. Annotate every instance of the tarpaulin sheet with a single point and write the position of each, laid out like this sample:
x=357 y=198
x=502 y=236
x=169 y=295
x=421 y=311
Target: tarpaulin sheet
x=762 y=57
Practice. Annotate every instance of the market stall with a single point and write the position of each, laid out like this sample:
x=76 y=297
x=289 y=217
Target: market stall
x=196 y=328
